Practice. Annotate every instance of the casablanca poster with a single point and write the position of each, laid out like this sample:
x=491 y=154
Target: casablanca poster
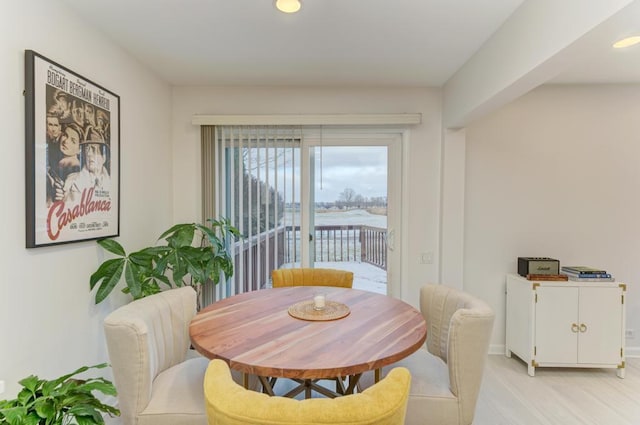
x=72 y=156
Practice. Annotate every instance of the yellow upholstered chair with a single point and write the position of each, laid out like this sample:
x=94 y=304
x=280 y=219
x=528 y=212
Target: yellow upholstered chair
x=311 y=277
x=228 y=403
x=447 y=373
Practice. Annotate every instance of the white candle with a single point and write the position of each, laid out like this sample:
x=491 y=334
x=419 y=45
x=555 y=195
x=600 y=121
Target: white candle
x=318 y=301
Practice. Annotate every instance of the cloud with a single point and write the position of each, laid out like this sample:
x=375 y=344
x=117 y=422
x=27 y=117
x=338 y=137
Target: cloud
x=361 y=168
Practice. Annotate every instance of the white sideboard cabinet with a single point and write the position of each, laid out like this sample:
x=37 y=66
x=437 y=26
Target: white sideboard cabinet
x=565 y=323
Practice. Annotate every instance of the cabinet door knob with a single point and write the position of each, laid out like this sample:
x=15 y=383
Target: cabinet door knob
x=583 y=327
x=574 y=327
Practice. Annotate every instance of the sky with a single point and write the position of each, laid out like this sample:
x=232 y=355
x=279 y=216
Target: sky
x=361 y=168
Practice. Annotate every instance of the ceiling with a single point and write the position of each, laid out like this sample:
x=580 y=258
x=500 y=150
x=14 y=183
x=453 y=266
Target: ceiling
x=329 y=42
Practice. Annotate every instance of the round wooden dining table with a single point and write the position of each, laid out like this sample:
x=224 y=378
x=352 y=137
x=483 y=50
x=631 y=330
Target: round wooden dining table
x=255 y=334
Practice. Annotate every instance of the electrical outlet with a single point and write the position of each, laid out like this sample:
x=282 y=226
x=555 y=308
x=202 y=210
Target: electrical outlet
x=629 y=334
x=1 y=387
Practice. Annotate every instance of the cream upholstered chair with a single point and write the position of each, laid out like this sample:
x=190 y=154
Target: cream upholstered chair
x=446 y=376
x=311 y=277
x=148 y=343
x=228 y=403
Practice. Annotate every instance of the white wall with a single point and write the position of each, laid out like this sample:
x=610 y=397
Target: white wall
x=423 y=156
x=552 y=174
x=49 y=324
x=555 y=173
x=501 y=70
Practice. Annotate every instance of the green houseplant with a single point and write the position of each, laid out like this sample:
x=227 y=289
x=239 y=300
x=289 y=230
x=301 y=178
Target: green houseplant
x=62 y=401
x=193 y=254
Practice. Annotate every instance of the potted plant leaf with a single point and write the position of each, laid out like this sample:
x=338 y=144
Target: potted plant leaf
x=62 y=401
x=193 y=254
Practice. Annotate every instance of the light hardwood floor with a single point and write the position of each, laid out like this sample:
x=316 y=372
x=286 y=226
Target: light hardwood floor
x=557 y=396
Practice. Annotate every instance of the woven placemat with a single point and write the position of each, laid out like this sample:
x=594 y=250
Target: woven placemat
x=333 y=310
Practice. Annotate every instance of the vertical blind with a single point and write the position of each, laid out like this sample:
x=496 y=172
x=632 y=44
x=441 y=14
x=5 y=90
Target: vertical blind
x=251 y=175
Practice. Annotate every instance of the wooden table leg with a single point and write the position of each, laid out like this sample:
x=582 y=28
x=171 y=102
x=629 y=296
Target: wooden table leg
x=266 y=385
x=353 y=383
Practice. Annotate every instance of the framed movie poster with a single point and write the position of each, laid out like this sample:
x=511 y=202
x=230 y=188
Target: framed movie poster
x=72 y=155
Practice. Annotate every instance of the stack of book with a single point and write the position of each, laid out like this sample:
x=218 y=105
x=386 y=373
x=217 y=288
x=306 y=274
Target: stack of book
x=586 y=274
x=561 y=277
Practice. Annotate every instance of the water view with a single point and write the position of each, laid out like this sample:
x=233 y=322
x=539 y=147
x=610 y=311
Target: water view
x=376 y=218
x=361 y=217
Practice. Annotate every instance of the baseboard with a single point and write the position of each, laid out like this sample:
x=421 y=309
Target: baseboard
x=630 y=352
x=495 y=349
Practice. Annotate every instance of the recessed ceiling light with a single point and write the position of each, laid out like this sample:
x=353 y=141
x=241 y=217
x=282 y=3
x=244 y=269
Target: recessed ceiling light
x=288 y=6
x=626 y=42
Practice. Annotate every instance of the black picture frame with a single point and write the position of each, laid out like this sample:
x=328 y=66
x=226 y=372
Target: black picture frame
x=72 y=156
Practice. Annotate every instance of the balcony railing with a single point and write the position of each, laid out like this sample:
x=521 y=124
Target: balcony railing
x=257 y=256
x=373 y=243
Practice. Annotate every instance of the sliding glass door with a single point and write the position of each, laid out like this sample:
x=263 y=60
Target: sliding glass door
x=305 y=197
x=349 y=210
